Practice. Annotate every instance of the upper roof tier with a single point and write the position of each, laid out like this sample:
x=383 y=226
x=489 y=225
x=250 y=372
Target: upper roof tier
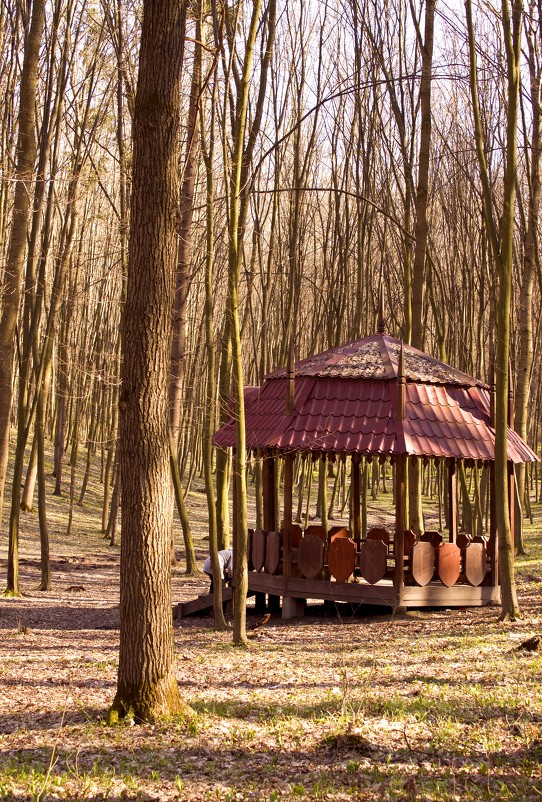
x=377 y=357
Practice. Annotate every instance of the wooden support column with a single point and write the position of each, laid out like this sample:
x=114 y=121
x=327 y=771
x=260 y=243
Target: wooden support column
x=493 y=544
x=235 y=517
x=355 y=485
x=268 y=488
x=399 y=543
x=452 y=500
x=288 y=504
x=511 y=500
x=510 y=465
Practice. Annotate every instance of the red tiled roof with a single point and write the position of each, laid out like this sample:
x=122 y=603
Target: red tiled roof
x=341 y=411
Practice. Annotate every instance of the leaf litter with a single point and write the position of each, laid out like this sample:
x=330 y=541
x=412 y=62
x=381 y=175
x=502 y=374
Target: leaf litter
x=433 y=705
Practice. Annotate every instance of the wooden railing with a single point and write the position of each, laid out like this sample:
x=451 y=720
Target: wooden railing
x=318 y=554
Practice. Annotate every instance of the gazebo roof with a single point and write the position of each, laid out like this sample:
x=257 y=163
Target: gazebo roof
x=377 y=358
x=346 y=401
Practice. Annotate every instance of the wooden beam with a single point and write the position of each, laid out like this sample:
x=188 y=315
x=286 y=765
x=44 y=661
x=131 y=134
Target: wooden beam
x=356 y=510
x=493 y=545
x=512 y=502
x=268 y=492
x=399 y=541
x=452 y=500
x=235 y=517
x=288 y=504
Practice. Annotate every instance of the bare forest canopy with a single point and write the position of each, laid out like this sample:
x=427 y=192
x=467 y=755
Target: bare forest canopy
x=330 y=192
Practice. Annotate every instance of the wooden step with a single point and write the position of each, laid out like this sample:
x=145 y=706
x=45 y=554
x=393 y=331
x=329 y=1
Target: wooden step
x=203 y=602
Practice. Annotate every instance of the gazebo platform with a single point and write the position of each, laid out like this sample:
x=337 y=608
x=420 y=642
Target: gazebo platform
x=383 y=594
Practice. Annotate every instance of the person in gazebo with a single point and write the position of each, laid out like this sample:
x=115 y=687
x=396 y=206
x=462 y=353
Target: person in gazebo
x=225 y=559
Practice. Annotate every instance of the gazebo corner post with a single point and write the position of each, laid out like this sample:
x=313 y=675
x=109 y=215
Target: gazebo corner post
x=268 y=489
x=493 y=543
x=288 y=508
x=235 y=521
x=291 y=607
x=355 y=477
x=399 y=541
x=452 y=500
x=512 y=503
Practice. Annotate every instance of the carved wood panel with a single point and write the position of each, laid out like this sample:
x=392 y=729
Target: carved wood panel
x=373 y=560
x=422 y=562
x=258 y=549
x=311 y=556
x=448 y=563
x=342 y=558
x=475 y=563
x=272 y=552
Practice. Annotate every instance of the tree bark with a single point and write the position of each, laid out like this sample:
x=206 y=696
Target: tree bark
x=147 y=687
x=13 y=275
x=501 y=240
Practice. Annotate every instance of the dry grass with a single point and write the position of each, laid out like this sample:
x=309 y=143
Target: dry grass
x=435 y=705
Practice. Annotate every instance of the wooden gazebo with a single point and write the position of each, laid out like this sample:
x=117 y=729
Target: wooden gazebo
x=380 y=399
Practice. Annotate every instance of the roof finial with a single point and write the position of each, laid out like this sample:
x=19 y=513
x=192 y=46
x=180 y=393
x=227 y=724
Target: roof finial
x=290 y=384
x=381 y=323
x=491 y=384
x=401 y=385
x=511 y=411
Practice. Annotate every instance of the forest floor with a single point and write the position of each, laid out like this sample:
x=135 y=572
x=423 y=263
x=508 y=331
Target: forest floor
x=432 y=705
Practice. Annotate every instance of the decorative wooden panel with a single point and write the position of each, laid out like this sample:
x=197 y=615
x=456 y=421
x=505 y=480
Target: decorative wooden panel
x=258 y=549
x=249 y=549
x=409 y=539
x=319 y=531
x=373 y=559
x=379 y=533
x=337 y=531
x=297 y=534
x=422 y=565
x=475 y=563
x=311 y=556
x=341 y=558
x=463 y=540
x=448 y=563
x=272 y=552
x=435 y=538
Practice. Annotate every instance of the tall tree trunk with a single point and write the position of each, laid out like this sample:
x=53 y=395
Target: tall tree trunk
x=13 y=274
x=501 y=239
x=147 y=688
x=235 y=258
x=530 y=257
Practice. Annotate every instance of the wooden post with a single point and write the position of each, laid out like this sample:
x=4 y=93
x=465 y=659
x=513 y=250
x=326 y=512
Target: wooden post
x=493 y=545
x=355 y=486
x=399 y=542
x=452 y=501
x=269 y=511
x=364 y=483
x=516 y=536
x=235 y=516
x=511 y=499
x=288 y=502
x=401 y=464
